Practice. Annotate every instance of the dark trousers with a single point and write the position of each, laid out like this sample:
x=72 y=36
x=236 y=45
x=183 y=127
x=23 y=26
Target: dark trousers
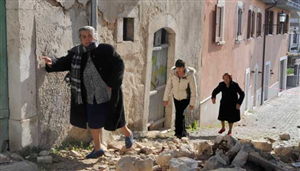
x=180 y=106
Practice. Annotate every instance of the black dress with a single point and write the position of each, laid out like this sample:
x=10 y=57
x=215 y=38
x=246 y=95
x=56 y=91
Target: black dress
x=228 y=111
x=111 y=67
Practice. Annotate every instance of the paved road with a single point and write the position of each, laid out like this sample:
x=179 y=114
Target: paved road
x=280 y=115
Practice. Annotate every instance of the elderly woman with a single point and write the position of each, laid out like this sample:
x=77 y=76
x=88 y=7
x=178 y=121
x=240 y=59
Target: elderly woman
x=95 y=75
x=183 y=86
x=230 y=102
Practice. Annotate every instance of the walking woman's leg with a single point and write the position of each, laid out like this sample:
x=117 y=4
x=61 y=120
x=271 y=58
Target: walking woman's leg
x=223 y=127
x=96 y=138
x=128 y=136
x=230 y=128
x=223 y=124
x=126 y=131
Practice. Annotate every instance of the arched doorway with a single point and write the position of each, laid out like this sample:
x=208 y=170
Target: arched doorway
x=161 y=25
x=156 y=117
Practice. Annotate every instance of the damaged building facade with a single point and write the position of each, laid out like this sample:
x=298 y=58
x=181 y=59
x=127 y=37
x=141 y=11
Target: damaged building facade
x=149 y=35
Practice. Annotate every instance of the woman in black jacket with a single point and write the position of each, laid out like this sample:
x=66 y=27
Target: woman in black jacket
x=230 y=102
x=95 y=75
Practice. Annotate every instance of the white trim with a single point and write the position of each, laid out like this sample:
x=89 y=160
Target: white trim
x=205 y=100
x=283 y=58
x=258 y=10
x=251 y=8
x=277 y=82
x=221 y=3
x=239 y=38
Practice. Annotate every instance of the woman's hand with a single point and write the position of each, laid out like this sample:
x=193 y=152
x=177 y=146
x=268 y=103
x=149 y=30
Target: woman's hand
x=238 y=106
x=213 y=100
x=47 y=60
x=109 y=88
x=166 y=103
x=192 y=107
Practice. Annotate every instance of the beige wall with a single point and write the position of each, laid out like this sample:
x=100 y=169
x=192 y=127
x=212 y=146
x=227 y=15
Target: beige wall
x=52 y=30
x=235 y=57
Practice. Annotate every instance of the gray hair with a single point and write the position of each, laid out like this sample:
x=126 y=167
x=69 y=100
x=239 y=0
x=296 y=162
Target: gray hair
x=88 y=28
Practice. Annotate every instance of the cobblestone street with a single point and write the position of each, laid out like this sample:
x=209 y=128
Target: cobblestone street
x=275 y=117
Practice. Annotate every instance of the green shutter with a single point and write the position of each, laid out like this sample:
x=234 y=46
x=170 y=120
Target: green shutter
x=4 y=113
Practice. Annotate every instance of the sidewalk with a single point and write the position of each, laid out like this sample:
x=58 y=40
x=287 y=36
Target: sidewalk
x=275 y=117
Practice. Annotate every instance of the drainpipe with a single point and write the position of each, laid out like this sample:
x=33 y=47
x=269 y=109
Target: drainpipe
x=94 y=16
x=264 y=53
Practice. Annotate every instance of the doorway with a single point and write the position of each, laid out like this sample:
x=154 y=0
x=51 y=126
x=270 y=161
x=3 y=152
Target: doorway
x=247 y=89
x=267 y=80
x=255 y=82
x=282 y=74
x=156 y=117
x=4 y=112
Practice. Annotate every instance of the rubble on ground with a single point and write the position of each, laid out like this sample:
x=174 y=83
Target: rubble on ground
x=223 y=153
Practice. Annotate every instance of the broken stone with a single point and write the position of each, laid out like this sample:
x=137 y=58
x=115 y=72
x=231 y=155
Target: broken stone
x=20 y=166
x=45 y=159
x=125 y=150
x=16 y=157
x=4 y=159
x=230 y=169
x=145 y=140
x=139 y=145
x=204 y=149
x=183 y=164
x=75 y=153
x=263 y=145
x=164 y=158
x=44 y=153
x=177 y=141
x=130 y=163
x=240 y=159
x=270 y=139
x=235 y=150
x=221 y=160
x=185 y=140
x=114 y=146
x=186 y=151
x=146 y=150
x=285 y=137
x=212 y=164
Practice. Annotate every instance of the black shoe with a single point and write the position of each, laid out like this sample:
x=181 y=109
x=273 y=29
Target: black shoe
x=95 y=154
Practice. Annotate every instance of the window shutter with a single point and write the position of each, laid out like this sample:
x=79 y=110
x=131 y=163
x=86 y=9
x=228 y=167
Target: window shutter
x=271 y=23
x=286 y=24
x=217 y=28
x=253 y=24
x=249 y=24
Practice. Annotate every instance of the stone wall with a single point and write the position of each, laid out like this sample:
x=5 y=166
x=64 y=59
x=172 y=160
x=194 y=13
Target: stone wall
x=53 y=28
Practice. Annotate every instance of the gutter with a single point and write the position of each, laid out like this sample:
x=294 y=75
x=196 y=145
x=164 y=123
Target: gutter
x=264 y=53
x=94 y=17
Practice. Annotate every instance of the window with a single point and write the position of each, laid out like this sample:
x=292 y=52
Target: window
x=279 y=25
x=239 y=21
x=286 y=24
x=128 y=29
x=270 y=22
x=220 y=21
x=251 y=23
x=258 y=24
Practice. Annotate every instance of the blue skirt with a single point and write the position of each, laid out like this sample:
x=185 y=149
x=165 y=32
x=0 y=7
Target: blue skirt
x=96 y=114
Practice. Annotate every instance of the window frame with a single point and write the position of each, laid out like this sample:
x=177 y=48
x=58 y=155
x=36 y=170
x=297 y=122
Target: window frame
x=270 y=23
x=220 y=22
x=239 y=30
x=258 y=23
x=250 y=27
